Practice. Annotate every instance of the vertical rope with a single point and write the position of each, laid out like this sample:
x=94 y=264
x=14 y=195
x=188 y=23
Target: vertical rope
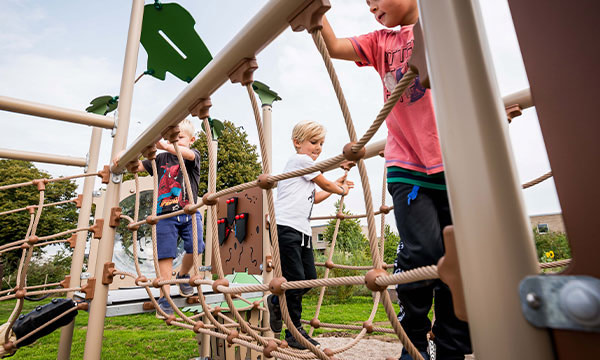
x=329 y=258
x=24 y=266
x=188 y=186
x=374 y=246
x=382 y=231
x=215 y=231
x=274 y=238
x=320 y=43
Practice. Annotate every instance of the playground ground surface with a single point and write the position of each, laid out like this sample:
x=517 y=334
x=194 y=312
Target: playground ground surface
x=145 y=337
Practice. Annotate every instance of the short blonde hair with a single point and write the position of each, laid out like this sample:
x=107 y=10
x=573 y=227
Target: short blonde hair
x=307 y=130
x=187 y=127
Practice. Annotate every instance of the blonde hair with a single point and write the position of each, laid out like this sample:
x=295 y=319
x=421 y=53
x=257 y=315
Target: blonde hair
x=307 y=130
x=187 y=127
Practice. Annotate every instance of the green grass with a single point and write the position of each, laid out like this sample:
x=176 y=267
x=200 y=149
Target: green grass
x=145 y=337
x=125 y=337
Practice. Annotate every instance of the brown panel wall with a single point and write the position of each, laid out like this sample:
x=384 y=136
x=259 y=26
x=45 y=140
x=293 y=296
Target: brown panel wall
x=559 y=43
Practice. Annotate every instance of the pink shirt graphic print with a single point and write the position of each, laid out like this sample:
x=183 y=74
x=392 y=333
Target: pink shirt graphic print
x=412 y=141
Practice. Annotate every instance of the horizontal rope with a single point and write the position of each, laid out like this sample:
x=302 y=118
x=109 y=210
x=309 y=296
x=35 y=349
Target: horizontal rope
x=344 y=216
x=537 y=180
x=36 y=206
x=422 y=273
x=555 y=264
x=12 y=186
x=350 y=327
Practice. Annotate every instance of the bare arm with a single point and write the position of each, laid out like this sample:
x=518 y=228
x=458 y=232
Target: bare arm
x=339 y=48
x=340 y=187
x=186 y=153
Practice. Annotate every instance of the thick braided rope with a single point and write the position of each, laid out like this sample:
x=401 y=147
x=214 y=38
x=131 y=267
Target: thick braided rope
x=329 y=258
x=24 y=265
x=391 y=101
x=274 y=237
x=215 y=241
x=35 y=206
x=363 y=331
x=382 y=231
x=377 y=261
x=537 y=180
x=320 y=43
x=351 y=327
x=188 y=186
x=28 y=183
x=212 y=222
x=555 y=264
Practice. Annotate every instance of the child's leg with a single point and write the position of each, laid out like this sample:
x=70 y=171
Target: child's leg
x=292 y=268
x=308 y=262
x=421 y=245
x=166 y=244
x=451 y=334
x=166 y=270
x=186 y=233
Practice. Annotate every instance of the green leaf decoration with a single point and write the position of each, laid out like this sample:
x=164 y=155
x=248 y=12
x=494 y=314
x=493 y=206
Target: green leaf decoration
x=102 y=105
x=266 y=95
x=171 y=42
x=216 y=128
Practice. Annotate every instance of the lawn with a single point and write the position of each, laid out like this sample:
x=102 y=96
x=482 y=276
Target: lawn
x=145 y=337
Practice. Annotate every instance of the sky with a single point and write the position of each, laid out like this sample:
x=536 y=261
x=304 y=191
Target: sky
x=65 y=53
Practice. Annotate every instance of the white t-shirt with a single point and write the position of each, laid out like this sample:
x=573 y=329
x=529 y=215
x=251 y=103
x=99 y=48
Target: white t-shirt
x=295 y=196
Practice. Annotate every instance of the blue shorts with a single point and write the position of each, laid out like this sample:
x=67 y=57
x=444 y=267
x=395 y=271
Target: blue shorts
x=170 y=229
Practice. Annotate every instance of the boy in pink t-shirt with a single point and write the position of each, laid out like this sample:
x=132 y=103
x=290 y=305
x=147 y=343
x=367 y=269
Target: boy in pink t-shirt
x=415 y=174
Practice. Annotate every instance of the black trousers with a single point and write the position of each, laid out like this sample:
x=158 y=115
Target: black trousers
x=297 y=263
x=420 y=226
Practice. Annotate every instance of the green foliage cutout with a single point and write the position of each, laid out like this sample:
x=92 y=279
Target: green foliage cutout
x=171 y=42
x=102 y=105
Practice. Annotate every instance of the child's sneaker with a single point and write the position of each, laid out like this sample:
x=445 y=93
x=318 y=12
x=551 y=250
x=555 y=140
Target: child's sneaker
x=274 y=314
x=292 y=342
x=164 y=306
x=185 y=289
x=406 y=356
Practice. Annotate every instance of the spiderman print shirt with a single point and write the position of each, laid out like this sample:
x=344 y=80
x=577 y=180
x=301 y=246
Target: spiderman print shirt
x=412 y=141
x=172 y=194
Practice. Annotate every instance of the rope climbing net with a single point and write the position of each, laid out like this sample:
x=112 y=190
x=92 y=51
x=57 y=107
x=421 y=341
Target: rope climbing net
x=21 y=291
x=237 y=330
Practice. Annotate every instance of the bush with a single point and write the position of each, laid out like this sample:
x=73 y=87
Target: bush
x=342 y=293
x=552 y=246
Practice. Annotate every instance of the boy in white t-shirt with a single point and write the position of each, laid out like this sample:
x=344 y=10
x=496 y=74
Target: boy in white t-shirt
x=295 y=199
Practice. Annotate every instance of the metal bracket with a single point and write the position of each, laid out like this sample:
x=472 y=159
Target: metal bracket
x=117 y=178
x=85 y=275
x=113 y=132
x=205 y=268
x=561 y=302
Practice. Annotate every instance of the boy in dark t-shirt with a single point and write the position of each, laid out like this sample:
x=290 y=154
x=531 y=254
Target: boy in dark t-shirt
x=172 y=196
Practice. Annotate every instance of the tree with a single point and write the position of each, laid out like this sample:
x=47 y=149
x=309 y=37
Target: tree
x=54 y=219
x=390 y=246
x=350 y=237
x=237 y=159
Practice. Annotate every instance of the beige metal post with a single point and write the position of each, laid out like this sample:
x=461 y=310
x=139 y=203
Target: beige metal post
x=485 y=195
x=267 y=111
x=263 y=28
x=95 y=330
x=55 y=112
x=205 y=338
x=42 y=157
x=66 y=333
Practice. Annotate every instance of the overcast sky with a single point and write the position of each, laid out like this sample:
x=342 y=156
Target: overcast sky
x=66 y=53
